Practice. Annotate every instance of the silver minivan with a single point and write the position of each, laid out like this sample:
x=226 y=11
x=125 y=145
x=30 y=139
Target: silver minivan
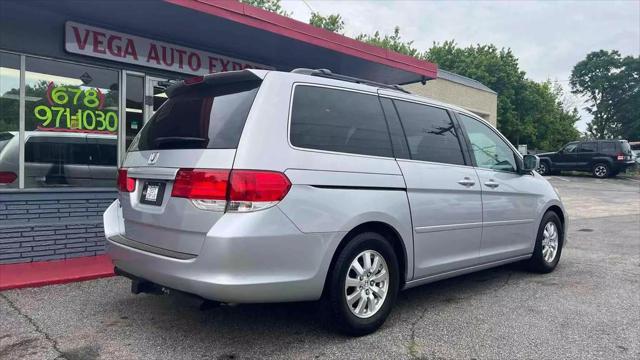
x=262 y=186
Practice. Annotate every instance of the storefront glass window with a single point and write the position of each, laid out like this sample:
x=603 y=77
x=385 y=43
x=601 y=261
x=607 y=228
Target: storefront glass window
x=9 y=120
x=71 y=123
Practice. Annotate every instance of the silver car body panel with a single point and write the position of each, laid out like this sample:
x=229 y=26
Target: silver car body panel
x=284 y=253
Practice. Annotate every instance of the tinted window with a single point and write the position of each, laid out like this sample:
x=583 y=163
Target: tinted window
x=608 y=147
x=570 y=148
x=430 y=133
x=338 y=120
x=61 y=151
x=212 y=118
x=398 y=139
x=588 y=147
x=488 y=149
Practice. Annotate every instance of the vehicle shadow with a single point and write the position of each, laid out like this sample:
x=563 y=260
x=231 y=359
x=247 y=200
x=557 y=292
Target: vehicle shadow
x=179 y=316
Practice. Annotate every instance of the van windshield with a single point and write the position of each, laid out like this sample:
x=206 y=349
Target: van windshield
x=210 y=118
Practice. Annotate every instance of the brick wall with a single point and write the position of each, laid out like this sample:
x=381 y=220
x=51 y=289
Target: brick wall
x=51 y=226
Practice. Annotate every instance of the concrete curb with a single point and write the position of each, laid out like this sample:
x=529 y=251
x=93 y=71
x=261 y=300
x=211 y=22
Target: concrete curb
x=17 y=276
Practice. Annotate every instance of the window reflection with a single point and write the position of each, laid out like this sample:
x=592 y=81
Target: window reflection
x=9 y=119
x=71 y=122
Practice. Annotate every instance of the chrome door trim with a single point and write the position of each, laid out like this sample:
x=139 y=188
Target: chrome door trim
x=436 y=228
x=507 y=222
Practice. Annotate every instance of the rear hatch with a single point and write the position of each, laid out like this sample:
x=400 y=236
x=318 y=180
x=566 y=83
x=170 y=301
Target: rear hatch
x=626 y=150
x=198 y=127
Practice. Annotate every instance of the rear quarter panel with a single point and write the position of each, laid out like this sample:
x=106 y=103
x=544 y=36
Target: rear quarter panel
x=331 y=192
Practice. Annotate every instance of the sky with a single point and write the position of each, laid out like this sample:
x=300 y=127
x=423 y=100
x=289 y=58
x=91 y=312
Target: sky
x=548 y=37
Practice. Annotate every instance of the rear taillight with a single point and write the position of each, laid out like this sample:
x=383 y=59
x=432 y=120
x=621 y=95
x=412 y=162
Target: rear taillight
x=254 y=190
x=620 y=156
x=236 y=190
x=7 y=177
x=125 y=183
x=201 y=184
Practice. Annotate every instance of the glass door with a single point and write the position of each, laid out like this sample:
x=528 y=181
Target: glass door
x=134 y=109
x=155 y=95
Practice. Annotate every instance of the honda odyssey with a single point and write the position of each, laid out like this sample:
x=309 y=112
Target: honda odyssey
x=261 y=186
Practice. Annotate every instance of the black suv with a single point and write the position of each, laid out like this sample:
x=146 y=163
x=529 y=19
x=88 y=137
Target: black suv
x=603 y=158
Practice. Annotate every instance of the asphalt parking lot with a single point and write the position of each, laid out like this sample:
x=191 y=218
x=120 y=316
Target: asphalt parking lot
x=588 y=308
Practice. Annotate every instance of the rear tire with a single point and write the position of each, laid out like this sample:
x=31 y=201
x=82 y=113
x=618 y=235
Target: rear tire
x=361 y=307
x=600 y=170
x=548 y=248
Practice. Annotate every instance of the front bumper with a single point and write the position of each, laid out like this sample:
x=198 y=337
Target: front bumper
x=246 y=258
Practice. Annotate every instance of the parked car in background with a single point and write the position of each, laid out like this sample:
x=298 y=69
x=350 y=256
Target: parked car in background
x=259 y=186
x=58 y=159
x=602 y=158
x=635 y=148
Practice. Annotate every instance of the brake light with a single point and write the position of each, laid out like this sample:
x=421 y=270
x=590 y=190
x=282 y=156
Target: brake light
x=7 y=177
x=194 y=80
x=201 y=184
x=254 y=190
x=620 y=156
x=125 y=183
x=233 y=191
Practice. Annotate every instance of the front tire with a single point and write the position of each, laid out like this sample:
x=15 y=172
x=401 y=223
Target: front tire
x=548 y=248
x=601 y=170
x=543 y=168
x=363 y=284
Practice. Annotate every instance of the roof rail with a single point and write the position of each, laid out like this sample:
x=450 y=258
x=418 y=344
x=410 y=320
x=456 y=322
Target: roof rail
x=326 y=73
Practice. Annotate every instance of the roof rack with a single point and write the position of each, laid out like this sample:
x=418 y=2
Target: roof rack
x=326 y=73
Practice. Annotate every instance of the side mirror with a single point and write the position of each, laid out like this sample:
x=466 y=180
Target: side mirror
x=530 y=163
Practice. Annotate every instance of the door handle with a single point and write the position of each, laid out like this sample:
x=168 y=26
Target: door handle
x=466 y=182
x=492 y=184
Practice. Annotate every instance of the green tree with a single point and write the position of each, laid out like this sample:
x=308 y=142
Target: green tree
x=528 y=112
x=331 y=22
x=269 y=5
x=392 y=42
x=611 y=83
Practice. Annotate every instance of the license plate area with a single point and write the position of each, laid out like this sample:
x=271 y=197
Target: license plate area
x=152 y=193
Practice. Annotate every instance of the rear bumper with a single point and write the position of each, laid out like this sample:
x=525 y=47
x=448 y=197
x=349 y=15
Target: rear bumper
x=246 y=258
x=622 y=166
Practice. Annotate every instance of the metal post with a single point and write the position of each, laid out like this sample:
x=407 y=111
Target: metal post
x=21 y=121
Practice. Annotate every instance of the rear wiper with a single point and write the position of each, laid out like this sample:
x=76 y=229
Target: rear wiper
x=164 y=141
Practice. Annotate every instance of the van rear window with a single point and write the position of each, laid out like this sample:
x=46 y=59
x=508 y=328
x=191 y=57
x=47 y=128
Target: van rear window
x=4 y=139
x=211 y=118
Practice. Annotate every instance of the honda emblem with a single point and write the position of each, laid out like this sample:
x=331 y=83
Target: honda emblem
x=153 y=159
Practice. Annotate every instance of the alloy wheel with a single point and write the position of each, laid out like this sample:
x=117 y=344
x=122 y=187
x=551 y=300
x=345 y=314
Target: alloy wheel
x=550 y=242
x=367 y=284
x=600 y=171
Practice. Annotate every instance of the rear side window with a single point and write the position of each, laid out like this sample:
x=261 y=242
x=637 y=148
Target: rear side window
x=588 y=147
x=430 y=133
x=339 y=120
x=203 y=119
x=608 y=147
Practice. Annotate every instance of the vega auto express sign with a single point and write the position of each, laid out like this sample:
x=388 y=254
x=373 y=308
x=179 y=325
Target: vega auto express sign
x=116 y=46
